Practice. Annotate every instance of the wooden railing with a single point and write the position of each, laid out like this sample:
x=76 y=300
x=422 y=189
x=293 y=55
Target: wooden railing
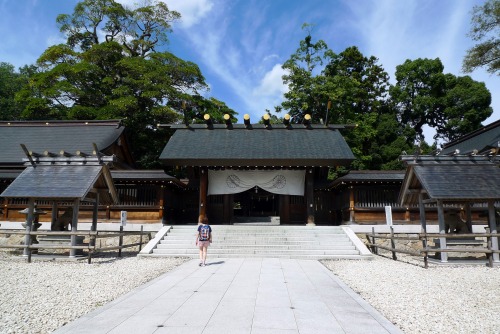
x=425 y=249
x=90 y=247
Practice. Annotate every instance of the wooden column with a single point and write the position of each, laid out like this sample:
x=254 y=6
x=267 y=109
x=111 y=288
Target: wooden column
x=284 y=209
x=74 y=226
x=468 y=216
x=95 y=214
x=54 y=215
x=227 y=207
x=203 y=191
x=421 y=207
x=161 y=196
x=29 y=222
x=310 y=196
x=5 y=208
x=352 y=217
x=442 y=230
x=493 y=228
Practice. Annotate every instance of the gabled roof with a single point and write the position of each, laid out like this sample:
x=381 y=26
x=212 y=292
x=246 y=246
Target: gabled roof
x=369 y=176
x=63 y=183
x=256 y=145
x=55 y=136
x=451 y=179
x=481 y=140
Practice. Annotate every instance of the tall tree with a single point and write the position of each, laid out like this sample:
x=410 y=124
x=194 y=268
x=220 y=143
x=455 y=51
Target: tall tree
x=425 y=96
x=306 y=94
x=111 y=67
x=357 y=87
x=11 y=82
x=485 y=30
x=345 y=88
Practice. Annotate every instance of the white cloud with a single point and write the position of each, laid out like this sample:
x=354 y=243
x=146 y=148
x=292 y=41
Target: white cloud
x=272 y=83
x=192 y=11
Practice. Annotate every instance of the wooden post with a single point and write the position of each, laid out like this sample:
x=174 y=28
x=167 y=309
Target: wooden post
x=5 y=208
x=120 y=242
x=423 y=225
x=375 y=248
x=54 y=215
x=493 y=229
x=489 y=255
x=140 y=239
x=95 y=213
x=29 y=222
x=203 y=192
x=310 y=196
x=442 y=230
x=421 y=207
x=352 y=217
x=227 y=209
x=74 y=226
x=161 y=203
x=284 y=209
x=393 y=245
x=468 y=217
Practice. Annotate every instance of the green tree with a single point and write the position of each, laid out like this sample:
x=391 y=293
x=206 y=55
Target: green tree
x=345 y=88
x=357 y=88
x=485 y=30
x=424 y=96
x=111 y=67
x=11 y=82
x=306 y=94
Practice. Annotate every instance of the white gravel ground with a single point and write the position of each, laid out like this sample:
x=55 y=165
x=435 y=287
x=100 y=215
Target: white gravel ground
x=436 y=300
x=31 y=294
x=441 y=299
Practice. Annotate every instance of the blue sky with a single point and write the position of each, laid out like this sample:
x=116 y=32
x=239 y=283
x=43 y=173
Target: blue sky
x=240 y=45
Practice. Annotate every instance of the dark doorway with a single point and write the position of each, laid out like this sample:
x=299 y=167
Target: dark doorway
x=256 y=202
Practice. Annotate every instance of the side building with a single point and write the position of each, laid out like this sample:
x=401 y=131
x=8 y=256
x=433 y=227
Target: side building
x=147 y=195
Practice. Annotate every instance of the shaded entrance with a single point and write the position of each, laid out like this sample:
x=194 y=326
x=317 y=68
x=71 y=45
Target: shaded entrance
x=255 y=203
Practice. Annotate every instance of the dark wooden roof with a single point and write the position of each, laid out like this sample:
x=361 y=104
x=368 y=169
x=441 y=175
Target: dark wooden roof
x=119 y=176
x=257 y=145
x=369 y=176
x=63 y=183
x=55 y=136
x=481 y=140
x=153 y=176
x=451 y=179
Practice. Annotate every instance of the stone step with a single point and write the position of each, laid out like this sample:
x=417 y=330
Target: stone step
x=263 y=252
x=269 y=247
x=173 y=243
x=279 y=256
x=263 y=238
x=311 y=242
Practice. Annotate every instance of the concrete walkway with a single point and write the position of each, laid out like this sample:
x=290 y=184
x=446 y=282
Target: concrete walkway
x=238 y=296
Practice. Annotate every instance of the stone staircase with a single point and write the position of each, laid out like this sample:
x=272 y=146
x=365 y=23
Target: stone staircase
x=229 y=241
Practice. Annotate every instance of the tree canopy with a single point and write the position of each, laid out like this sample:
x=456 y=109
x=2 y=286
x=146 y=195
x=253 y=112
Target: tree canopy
x=485 y=30
x=111 y=67
x=350 y=88
x=451 y=105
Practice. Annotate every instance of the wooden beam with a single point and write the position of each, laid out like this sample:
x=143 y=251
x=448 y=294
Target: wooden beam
x=25 y=150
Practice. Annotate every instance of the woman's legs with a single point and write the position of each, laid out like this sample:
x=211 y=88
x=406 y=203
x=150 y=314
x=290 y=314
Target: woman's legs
x=204 y=254
x=201 y=255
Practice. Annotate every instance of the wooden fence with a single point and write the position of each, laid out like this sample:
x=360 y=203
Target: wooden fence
x=90 y=247
x=425 y=249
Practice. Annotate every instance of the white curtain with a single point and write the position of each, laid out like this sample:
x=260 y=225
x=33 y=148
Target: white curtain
x=283 y=182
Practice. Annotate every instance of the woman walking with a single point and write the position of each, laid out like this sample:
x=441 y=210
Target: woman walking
x=204 y=239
